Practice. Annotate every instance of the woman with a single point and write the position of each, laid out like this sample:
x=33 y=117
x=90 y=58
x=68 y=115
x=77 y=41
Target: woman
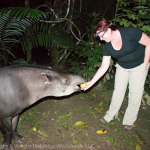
x=131 y=48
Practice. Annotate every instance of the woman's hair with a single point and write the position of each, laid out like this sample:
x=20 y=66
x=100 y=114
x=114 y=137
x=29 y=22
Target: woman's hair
x=104 y=25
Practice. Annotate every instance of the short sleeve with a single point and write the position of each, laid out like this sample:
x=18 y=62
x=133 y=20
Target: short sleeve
x=134 y=34
x=106 y=51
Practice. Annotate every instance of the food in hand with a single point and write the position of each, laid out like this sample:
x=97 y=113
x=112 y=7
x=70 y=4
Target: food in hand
x=83 y=85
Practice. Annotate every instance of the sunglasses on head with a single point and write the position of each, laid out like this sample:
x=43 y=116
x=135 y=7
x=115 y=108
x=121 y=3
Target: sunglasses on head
x=97 y=34
x=104 y=29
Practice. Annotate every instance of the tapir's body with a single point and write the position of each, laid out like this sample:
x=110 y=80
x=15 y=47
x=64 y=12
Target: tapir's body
x=21 y=86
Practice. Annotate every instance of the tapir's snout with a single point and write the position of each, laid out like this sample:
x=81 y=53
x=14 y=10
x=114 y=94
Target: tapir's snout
x=76 y=81
x=77 y=87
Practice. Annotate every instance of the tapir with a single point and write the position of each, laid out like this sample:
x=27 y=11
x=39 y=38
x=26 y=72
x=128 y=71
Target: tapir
x=22 y=86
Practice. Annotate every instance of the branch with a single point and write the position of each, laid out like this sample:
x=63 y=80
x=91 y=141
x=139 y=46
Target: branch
x=63 y=19
x=72 y=24
x=56 y=21
x=48 y=8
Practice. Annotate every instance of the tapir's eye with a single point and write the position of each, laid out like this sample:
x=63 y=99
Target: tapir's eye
x=66 y=82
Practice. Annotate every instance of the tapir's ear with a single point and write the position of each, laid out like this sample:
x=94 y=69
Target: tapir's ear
x=46 y=78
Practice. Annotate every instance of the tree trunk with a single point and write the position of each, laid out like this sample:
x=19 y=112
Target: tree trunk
x=54 y=57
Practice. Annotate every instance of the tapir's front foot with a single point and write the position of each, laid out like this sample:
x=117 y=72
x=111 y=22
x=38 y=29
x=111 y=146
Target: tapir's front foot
x=18 y=138
x=7 y=146
x=7 y=143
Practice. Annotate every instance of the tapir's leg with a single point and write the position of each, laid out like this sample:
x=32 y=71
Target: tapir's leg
x=6 y=129
x=15 y=135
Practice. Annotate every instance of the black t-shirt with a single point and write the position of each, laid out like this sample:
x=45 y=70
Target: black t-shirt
x=132 y=53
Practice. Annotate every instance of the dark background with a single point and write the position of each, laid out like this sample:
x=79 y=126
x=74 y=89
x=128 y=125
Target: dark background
x=106 y=9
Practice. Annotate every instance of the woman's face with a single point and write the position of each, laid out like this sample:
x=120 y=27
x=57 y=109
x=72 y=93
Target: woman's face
x=105 y=35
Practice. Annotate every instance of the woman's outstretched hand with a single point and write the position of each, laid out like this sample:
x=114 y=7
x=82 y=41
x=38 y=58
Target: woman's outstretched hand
x=86 y=86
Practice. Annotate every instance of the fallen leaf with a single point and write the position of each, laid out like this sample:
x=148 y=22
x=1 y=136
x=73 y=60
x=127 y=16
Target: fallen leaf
x=112 y=124
x=59 y=131
x=92 y=93
x=87 y=126
x=101 y=131
x=140 y=139
x=98 y=110
x=138 y=146
x=42 y=133
x=101 y=108
x=121 y=112
x=21 y=145
x=134 y=125
x=79 y=123
x=65 y=127
x=34 y=129
x=75 y=141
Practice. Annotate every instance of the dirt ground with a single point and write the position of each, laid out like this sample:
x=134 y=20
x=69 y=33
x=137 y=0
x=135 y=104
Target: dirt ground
x=74 y=123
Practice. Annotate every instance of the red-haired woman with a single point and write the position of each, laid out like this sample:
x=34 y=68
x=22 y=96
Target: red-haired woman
x=131 y=48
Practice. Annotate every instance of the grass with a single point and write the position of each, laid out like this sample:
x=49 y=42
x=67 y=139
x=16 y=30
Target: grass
x=56 y=122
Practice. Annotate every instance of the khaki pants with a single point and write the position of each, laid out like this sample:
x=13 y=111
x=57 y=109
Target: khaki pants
x=135 y=77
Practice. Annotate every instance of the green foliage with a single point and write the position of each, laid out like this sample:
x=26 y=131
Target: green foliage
x=88 y=58
x=133 y=13
x=21 y=12
x=46 y=35
x=11 y=28
x=22 y=26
